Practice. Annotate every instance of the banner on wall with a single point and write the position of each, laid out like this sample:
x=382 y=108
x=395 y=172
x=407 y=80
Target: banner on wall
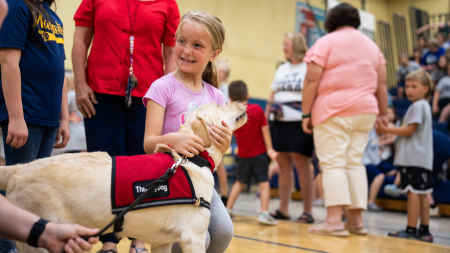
x=367 y=24
x=310 y=22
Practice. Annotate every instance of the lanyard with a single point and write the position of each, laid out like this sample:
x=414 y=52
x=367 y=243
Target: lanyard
x=132 y=80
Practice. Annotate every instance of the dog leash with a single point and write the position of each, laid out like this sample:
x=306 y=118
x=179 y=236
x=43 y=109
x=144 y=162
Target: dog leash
x=151 y=187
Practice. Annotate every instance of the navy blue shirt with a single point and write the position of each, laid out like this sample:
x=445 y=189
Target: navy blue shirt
x=41 y=63
x=432 y=58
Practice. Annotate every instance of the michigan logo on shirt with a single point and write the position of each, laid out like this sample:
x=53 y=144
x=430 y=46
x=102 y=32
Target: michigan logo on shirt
x=49 y=31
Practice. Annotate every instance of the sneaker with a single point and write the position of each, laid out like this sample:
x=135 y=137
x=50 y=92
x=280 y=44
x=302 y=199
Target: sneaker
x=319 y=202
x=403 y=234
x=434 y=212
x=392 y=190
x=374 y=207
x=230 y=212
x=267 y=219
x=427 y=237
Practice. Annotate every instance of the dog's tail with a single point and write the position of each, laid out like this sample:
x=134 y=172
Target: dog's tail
x=5 y=173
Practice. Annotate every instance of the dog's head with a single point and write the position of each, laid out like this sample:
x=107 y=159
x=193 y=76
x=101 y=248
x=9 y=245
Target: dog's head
x=200 y=121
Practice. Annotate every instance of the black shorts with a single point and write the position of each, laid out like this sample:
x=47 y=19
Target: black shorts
x=288 y=136
x=257 y=166
x=443 y=102
x=414 y=179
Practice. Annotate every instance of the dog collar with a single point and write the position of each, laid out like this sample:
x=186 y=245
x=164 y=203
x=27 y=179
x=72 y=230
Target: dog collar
x=203 y=160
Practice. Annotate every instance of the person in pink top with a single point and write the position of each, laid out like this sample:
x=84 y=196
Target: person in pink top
x=344 y=91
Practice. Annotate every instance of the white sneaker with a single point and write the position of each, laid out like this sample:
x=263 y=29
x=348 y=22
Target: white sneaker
x=392 y=190
x=434 y=212
x=230 y=212
x=319 y=202
x=267 y=219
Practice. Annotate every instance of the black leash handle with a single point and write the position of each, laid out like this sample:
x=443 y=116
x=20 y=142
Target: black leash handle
x=151 y=187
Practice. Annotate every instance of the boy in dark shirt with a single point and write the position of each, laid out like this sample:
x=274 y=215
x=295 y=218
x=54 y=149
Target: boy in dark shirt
x=253 y=140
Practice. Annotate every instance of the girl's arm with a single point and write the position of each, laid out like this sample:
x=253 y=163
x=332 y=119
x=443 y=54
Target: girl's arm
x=435 y=106
x=11 y=85
x=185 y=144
x=84 y=94
x=390 y=139
x=63 y=129
x=405 y=131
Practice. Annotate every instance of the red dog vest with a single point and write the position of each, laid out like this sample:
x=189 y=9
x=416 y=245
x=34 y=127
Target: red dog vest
x=130 y=175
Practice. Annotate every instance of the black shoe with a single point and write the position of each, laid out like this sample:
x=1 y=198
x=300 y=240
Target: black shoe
x=424 y=237
x=224 y=200
x=403 y=234
x=279 y=216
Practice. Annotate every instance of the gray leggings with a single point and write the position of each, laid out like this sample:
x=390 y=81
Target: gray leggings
x=220 y=230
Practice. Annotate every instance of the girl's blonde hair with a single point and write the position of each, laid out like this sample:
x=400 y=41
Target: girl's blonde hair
x=423 y=78
x=216 y=32
x=299 y=44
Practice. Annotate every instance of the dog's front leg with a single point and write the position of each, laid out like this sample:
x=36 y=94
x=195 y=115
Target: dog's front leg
x=163 y=248
x=192 y=243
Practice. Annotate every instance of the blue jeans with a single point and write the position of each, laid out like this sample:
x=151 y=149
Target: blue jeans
x=117 y=130
x=40 y=142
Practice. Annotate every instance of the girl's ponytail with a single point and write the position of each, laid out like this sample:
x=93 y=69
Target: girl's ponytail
x=210 y=74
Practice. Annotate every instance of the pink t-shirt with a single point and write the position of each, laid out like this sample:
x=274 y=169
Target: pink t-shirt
x=174 y=97
x=350 y=61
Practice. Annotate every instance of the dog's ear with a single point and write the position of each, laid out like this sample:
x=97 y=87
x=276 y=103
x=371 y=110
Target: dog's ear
x=200 y=129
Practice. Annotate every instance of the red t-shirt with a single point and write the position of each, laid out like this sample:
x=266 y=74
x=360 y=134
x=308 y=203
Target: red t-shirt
x=249 y=137
x=109 y=60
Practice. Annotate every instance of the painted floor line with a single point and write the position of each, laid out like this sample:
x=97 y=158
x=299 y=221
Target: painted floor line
x=280 y=244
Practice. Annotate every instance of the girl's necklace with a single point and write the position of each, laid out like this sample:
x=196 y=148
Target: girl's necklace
x=132 y=80
x=195 y=103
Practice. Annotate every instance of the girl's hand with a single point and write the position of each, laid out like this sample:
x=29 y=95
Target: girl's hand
x=63 y=131
x=187 y=144
x=221 y=136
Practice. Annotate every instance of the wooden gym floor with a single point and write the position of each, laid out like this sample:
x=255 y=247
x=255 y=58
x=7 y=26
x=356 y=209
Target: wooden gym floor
x=290 y=237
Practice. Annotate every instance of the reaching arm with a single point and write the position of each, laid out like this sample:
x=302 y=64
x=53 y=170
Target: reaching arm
x=405 y=131
x=429 y=26
x=16 y=224
x=169 y=59
x=268 y=141
x=84 y=94
x=269 y=103
x=390 y=139
x=12 y=91
x=186 y=144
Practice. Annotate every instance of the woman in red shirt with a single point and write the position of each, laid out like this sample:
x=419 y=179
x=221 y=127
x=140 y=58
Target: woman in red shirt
x=134 y=40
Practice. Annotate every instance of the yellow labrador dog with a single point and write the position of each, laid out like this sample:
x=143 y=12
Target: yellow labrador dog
x=76 y=188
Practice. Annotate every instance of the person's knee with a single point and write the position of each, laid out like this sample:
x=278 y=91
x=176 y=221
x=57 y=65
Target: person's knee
x=220 y=237
x=380 y=177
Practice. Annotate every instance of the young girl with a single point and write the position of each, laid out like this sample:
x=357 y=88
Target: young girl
x=170 y=99
x=414 y=155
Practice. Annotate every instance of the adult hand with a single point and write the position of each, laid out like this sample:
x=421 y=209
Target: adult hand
x=63 y=131
x=85 y=98
x=187 y=144
x=272 y=154
x=307 y=126
x=221 y=136
x=381 y=124
x=59 y=237
x=17 y=132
